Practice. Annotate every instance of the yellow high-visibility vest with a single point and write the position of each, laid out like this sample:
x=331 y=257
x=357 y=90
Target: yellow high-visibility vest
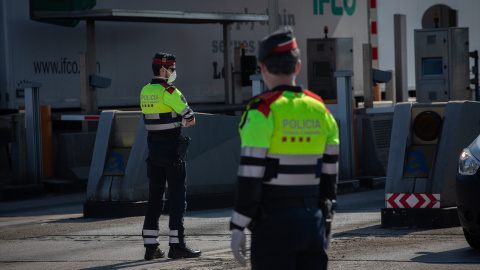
x=163 y=106
x=292 y=127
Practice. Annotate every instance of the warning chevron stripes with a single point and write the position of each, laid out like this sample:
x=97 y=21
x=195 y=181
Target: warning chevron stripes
x=412 y=200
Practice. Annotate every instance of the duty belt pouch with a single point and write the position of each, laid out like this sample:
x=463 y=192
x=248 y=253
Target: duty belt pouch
x=183 y=143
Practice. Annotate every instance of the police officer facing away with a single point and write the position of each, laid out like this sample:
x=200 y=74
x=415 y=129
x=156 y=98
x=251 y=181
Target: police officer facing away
x=287 y=178
x=165 y=112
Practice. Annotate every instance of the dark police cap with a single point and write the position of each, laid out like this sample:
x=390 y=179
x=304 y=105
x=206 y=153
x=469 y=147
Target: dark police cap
x=164 y=59
x=281 y=40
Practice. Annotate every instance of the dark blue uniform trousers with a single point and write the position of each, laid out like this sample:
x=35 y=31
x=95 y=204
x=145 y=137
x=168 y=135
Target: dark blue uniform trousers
x=163 y=165
x=292 y=238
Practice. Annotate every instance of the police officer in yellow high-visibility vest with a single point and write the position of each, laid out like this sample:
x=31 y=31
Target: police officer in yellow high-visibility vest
x=165 y=112
x=287 y=178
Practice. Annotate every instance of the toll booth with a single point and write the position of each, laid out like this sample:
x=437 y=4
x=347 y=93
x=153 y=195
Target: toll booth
x=442 y=64
x=426 y=141
x=118 y=184
x=325 y=57
x=427 y=137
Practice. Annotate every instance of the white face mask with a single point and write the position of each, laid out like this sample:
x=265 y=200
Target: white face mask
x=172 y=76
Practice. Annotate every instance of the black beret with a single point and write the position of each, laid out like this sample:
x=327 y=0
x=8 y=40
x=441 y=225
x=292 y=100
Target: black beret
x=281 y=40
x=164 y=59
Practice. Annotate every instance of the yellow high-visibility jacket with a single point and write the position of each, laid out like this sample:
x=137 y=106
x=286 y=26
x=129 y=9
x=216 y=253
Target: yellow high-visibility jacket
x=163 y=106
x=290 y=147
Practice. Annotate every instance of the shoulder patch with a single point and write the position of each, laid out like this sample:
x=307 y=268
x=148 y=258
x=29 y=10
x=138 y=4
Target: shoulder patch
x=262 y=102
x=315 y=96
x=168 y=87
x=269 y=96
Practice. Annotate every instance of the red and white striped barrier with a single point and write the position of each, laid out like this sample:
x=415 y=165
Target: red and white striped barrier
x=412 y=200
x=80 y=117
x=374 y=32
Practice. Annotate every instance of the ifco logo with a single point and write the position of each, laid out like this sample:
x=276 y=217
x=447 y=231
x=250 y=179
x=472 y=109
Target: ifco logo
x=319 y=7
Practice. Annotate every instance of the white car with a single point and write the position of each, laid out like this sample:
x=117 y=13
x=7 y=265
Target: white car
x=468 y=188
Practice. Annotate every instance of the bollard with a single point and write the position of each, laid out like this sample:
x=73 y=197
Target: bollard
x=34 y=135
x=345 y=114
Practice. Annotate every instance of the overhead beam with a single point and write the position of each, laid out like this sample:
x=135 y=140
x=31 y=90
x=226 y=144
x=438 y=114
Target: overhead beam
x=154 y=16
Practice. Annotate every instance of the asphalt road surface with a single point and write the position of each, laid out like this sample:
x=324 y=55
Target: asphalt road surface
x=51 y=233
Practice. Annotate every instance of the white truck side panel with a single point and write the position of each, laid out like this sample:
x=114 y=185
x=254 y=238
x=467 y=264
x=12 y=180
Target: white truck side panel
x=50 y=54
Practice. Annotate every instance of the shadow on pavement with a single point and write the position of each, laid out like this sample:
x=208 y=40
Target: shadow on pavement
x=468 y=255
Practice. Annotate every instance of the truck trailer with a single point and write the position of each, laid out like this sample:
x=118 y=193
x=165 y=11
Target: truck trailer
x=49 y=53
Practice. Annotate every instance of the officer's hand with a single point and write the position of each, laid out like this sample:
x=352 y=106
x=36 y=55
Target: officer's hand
x=327 y=212
x=328 y=227
x=239 y=244
x=191 y=123
x=326 y=207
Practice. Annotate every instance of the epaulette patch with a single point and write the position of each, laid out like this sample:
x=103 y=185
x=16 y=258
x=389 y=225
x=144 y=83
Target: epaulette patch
x=168 y=87
x=317 y=97
x=265 y=100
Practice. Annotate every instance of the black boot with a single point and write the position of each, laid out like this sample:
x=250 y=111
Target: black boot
x=154 y=253
x=177 y=252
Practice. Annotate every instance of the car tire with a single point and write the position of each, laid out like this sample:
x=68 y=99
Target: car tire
x=472 y=240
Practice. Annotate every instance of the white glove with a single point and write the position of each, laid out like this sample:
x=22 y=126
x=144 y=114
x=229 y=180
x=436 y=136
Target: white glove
x=239 y=243
x=328 y=239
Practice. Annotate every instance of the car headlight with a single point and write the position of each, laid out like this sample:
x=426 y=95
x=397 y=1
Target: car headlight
x=467 y=163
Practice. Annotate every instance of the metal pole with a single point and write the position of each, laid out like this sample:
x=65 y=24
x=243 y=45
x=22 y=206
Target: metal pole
x=226 y=62
x=237 y=76
x=91 y=65
x=88 y=94
x=34 y=133
x=345 y=114
x=369 y=21
x=84 y=88
x=367 y=76
x=476 y=82
x=367 y=63
x=272 y=15
x=400 y=40
x=390 y=89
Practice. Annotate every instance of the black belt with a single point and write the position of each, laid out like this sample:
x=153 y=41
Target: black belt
x=158 y=137
x=272 y=204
